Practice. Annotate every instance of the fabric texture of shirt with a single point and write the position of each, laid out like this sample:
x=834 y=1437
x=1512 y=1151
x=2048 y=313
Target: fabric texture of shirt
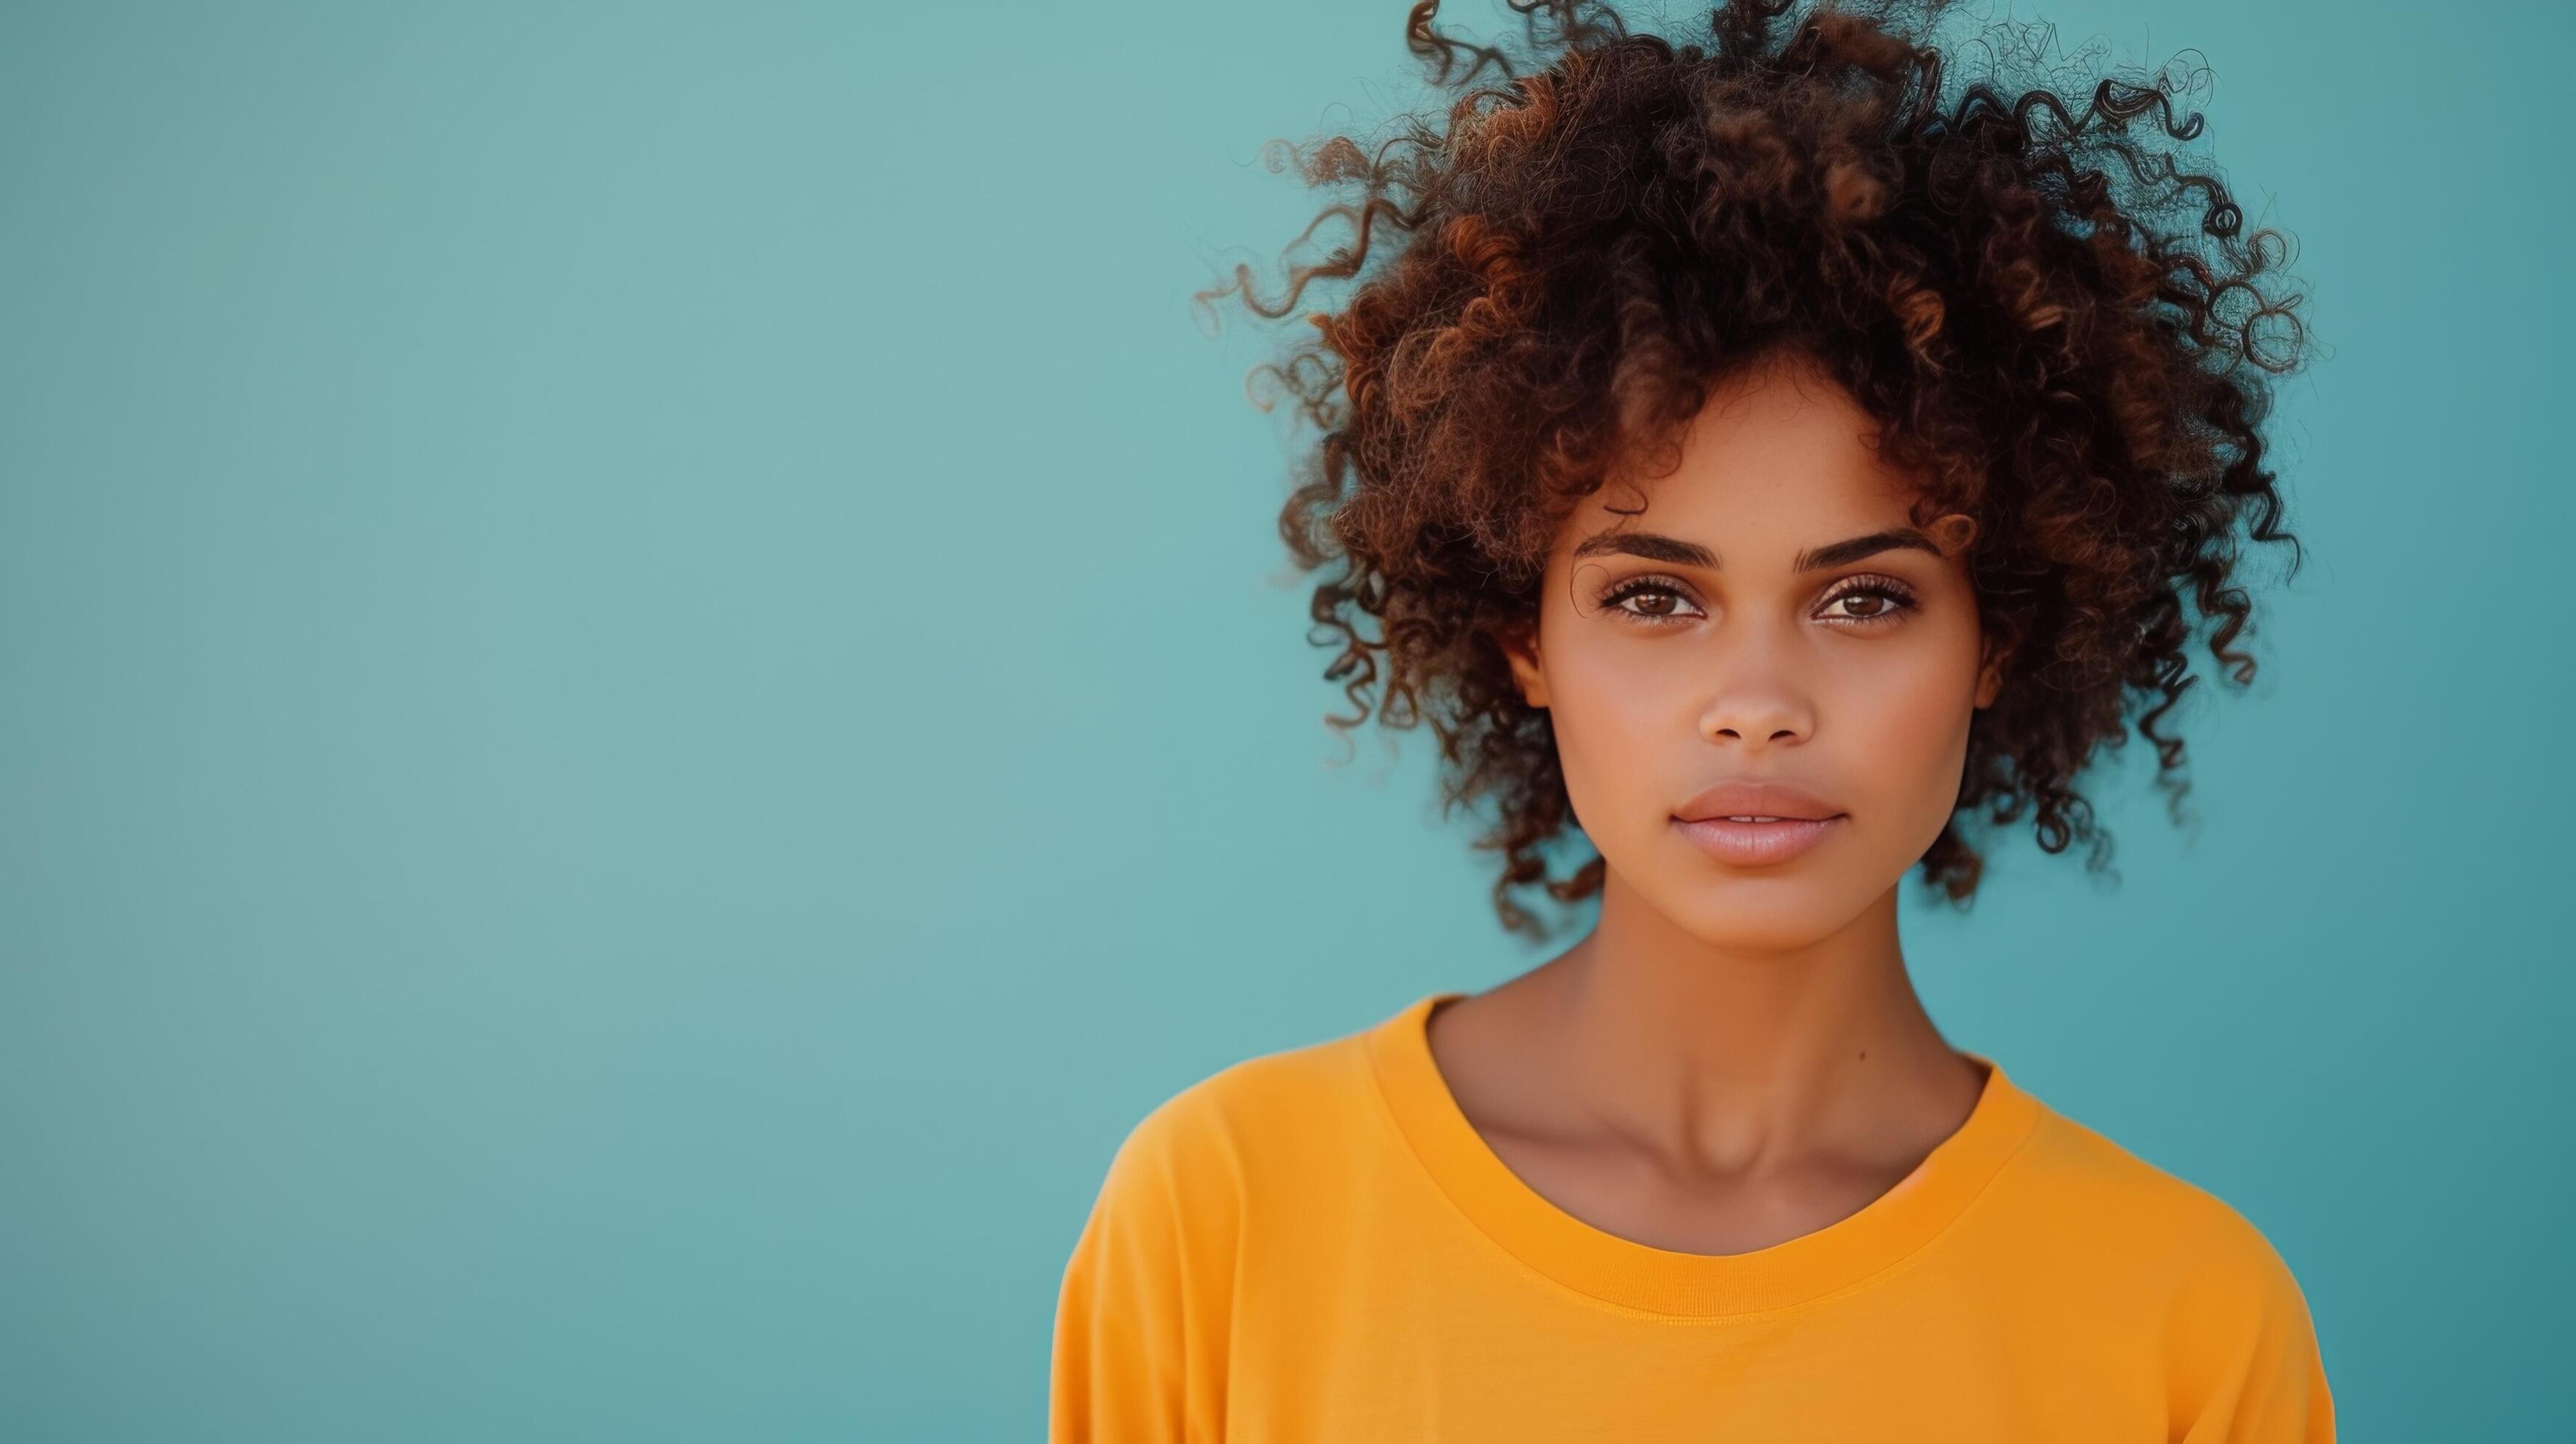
x=1316 y=1244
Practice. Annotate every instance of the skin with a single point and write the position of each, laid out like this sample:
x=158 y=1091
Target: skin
x=1736 y=1055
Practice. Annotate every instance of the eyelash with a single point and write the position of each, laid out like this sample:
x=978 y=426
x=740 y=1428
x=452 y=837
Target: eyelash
x=1900 y=596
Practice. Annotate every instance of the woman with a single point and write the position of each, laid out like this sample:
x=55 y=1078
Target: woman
x=1768 y=466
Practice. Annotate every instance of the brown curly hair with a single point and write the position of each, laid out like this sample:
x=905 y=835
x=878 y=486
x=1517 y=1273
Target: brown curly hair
x=2060 y=348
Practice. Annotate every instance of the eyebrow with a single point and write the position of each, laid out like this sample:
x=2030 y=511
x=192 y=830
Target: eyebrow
x=1654 y=546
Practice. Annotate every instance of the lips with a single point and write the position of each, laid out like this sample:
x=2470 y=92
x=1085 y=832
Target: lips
x=1753 y=844
x=1722 y=822
x=1772 y=799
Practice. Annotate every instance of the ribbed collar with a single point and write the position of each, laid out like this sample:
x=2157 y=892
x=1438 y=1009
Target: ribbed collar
x=1640 y=1276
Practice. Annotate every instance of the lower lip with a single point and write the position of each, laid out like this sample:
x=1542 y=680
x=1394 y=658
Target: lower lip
x=1751 y=844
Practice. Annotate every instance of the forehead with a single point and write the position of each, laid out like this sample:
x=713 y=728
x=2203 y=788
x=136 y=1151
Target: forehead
x=1778 y=459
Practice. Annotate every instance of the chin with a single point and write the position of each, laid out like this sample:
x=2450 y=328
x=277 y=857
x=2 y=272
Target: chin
x=1769 y=910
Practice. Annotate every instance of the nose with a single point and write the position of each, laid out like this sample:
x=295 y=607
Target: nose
x=1758 y=703
x=1753 y=723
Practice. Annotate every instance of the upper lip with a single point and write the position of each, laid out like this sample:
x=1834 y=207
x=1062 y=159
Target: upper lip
x=1755 y=799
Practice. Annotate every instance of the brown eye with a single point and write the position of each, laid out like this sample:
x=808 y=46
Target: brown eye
x=1877 y=599
x=1654 y=601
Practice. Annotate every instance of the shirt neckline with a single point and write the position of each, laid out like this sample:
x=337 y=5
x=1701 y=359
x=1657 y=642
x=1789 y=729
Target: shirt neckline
x=1641 y=1276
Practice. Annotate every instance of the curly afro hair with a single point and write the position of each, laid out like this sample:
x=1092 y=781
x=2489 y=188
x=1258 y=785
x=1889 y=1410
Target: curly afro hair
x=2057 y=325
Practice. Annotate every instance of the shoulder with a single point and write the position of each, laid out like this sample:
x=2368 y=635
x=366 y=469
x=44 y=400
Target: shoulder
x=1146 y=1303
x=1208 y=1143
x=2094 y=1190
x=2226 y=1311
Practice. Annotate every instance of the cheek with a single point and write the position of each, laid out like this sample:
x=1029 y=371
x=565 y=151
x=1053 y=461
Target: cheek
x=1611 y=701
x=1617 y=712
x=1907 y=725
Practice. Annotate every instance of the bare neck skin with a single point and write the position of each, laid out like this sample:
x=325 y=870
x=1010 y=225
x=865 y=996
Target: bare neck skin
x=1678 y=1094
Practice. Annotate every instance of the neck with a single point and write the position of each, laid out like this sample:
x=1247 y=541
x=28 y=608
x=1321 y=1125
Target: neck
x=1729 y=1058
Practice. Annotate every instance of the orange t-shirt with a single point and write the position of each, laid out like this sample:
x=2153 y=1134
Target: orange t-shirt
x=1316 y=1244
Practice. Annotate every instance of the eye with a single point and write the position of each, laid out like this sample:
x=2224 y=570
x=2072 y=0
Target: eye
x=1656 y=601
x=1883 y=600
x=1660 y=601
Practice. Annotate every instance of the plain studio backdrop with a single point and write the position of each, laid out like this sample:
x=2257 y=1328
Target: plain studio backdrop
x=645 y=699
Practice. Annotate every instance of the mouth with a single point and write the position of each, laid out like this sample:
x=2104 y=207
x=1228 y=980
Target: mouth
x=1757 y=839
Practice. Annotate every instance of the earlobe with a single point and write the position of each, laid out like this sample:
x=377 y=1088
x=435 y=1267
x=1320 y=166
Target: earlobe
x=1990 y=679
x=1520 y=648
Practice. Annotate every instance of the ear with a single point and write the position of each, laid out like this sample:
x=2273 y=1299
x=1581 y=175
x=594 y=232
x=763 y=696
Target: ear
x=1990 y=677
x=1520 y=646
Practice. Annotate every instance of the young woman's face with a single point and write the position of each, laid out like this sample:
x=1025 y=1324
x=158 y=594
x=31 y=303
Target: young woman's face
x=1771 y=617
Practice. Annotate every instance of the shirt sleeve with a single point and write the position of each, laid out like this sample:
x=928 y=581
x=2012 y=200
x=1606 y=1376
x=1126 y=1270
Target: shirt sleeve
x=2251 y=1371
x=1140 y=1322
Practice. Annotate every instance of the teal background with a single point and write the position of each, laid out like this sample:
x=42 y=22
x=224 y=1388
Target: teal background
x=645 y=699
